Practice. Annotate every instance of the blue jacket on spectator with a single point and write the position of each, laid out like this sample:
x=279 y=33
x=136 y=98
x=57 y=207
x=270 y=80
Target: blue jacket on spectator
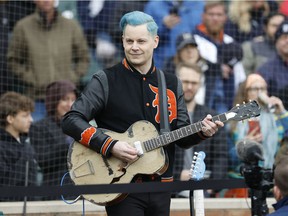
x=190 y=15
x=275 y=72
x=281 y=207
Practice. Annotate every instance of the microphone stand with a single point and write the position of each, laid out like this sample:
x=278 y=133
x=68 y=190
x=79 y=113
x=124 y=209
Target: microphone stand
x=259 y=205
x=191 y=202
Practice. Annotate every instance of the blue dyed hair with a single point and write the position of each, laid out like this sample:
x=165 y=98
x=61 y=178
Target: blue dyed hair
x=138 y=18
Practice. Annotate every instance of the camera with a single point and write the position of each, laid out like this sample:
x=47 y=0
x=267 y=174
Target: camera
x=257 y=177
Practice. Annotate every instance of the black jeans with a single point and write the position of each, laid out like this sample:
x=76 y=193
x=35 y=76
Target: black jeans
x=142 y=204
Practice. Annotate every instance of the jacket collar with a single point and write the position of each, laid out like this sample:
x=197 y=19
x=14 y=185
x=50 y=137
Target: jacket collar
x=42 y=20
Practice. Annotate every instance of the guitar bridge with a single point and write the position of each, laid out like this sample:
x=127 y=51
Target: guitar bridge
x=84 y=169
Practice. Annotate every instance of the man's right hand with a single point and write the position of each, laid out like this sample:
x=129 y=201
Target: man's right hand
x=124 y=151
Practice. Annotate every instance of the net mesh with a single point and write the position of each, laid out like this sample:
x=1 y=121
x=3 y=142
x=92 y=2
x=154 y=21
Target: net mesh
x=85 y=37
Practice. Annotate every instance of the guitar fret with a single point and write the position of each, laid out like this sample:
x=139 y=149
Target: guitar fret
x=154 y=142
x=180 y=133
x=176 y=135
x=184 y=132
x=145 y=145
x=172 y=137
x=150 y=145
x=154 y=145
x=164 y=138
x=161 y=139
x=168 y=137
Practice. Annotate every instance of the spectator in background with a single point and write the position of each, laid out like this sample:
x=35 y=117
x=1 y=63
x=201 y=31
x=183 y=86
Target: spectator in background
x=50 y=143
x=268 y=129
x=10 y=13
x=17 y=156
x=95 y=17
x=258 y=50
x=188 y=53
x=273 y=123
x=5 y=77
x=246 y=18
x=218 y=48
x=280 y=189
x=173 y=18
x=46 y=47
x=215 y=148
x=275 y=69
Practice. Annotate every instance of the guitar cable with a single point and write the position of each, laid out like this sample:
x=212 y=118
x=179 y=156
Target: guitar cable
x=75 y=200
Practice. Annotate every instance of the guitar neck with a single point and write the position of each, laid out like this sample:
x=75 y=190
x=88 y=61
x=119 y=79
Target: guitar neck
x=175 y=135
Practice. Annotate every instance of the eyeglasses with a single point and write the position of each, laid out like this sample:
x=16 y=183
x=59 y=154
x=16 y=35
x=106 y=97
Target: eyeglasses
x=186 y=82
x=257 y=89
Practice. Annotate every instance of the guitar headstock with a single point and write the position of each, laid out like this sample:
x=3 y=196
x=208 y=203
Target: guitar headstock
x=244 y=111
x=198 y=166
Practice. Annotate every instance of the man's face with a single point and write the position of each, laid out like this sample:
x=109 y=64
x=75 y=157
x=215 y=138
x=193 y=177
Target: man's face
x=273 y=25
x=214 y=19
x=45 y=5
x=21 y=122
x=282 y=46
x=139 y=45
x=190 y=82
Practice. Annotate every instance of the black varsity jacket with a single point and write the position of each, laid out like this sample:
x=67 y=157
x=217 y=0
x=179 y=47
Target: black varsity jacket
x=119 y=96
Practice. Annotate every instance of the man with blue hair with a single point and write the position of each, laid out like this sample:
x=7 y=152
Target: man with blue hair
x=126 y=93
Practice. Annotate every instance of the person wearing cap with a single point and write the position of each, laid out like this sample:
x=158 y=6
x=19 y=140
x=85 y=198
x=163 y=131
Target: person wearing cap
x=187 y=53
x=210 y=38
x=50 y=143
x=280 y=189
x=275 y=70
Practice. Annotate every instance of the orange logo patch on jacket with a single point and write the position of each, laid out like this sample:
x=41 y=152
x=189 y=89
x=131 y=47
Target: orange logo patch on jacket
x=171 y=100
x=86 y=136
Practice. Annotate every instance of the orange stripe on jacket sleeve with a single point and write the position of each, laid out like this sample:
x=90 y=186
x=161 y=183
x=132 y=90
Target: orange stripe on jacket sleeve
x=106 y=145
x=86 y=136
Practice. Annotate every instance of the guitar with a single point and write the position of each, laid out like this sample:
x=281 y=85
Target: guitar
x=88 y=167
x=197 y=170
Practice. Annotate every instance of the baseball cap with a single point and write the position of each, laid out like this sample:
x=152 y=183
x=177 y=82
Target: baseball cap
x=185 y=39
x=282 y=29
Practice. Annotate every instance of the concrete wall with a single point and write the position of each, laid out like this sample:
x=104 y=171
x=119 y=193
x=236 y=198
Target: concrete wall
x=179 y=207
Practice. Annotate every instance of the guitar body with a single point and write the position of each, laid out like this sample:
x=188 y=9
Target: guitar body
x=88 y=167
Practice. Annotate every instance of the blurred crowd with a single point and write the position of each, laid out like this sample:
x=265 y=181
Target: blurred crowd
x=224 y=52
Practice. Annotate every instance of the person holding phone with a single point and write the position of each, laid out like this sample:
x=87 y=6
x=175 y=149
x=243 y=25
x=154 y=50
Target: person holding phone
x=272 y=124
x=268 y=128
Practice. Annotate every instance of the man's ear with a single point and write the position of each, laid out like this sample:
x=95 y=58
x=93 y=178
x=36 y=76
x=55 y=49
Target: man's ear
x=277 y=192
x=156 y=40
x=9 y=119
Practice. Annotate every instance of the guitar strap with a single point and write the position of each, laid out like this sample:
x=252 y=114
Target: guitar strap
x=164 y=115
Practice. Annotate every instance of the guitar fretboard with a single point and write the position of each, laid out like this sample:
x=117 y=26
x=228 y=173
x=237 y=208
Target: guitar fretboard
x=175 y=135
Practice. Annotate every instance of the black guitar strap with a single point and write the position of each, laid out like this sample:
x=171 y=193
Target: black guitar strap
x=164 y=115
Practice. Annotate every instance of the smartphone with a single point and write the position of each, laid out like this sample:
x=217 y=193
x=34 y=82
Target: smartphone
x=254 y=124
